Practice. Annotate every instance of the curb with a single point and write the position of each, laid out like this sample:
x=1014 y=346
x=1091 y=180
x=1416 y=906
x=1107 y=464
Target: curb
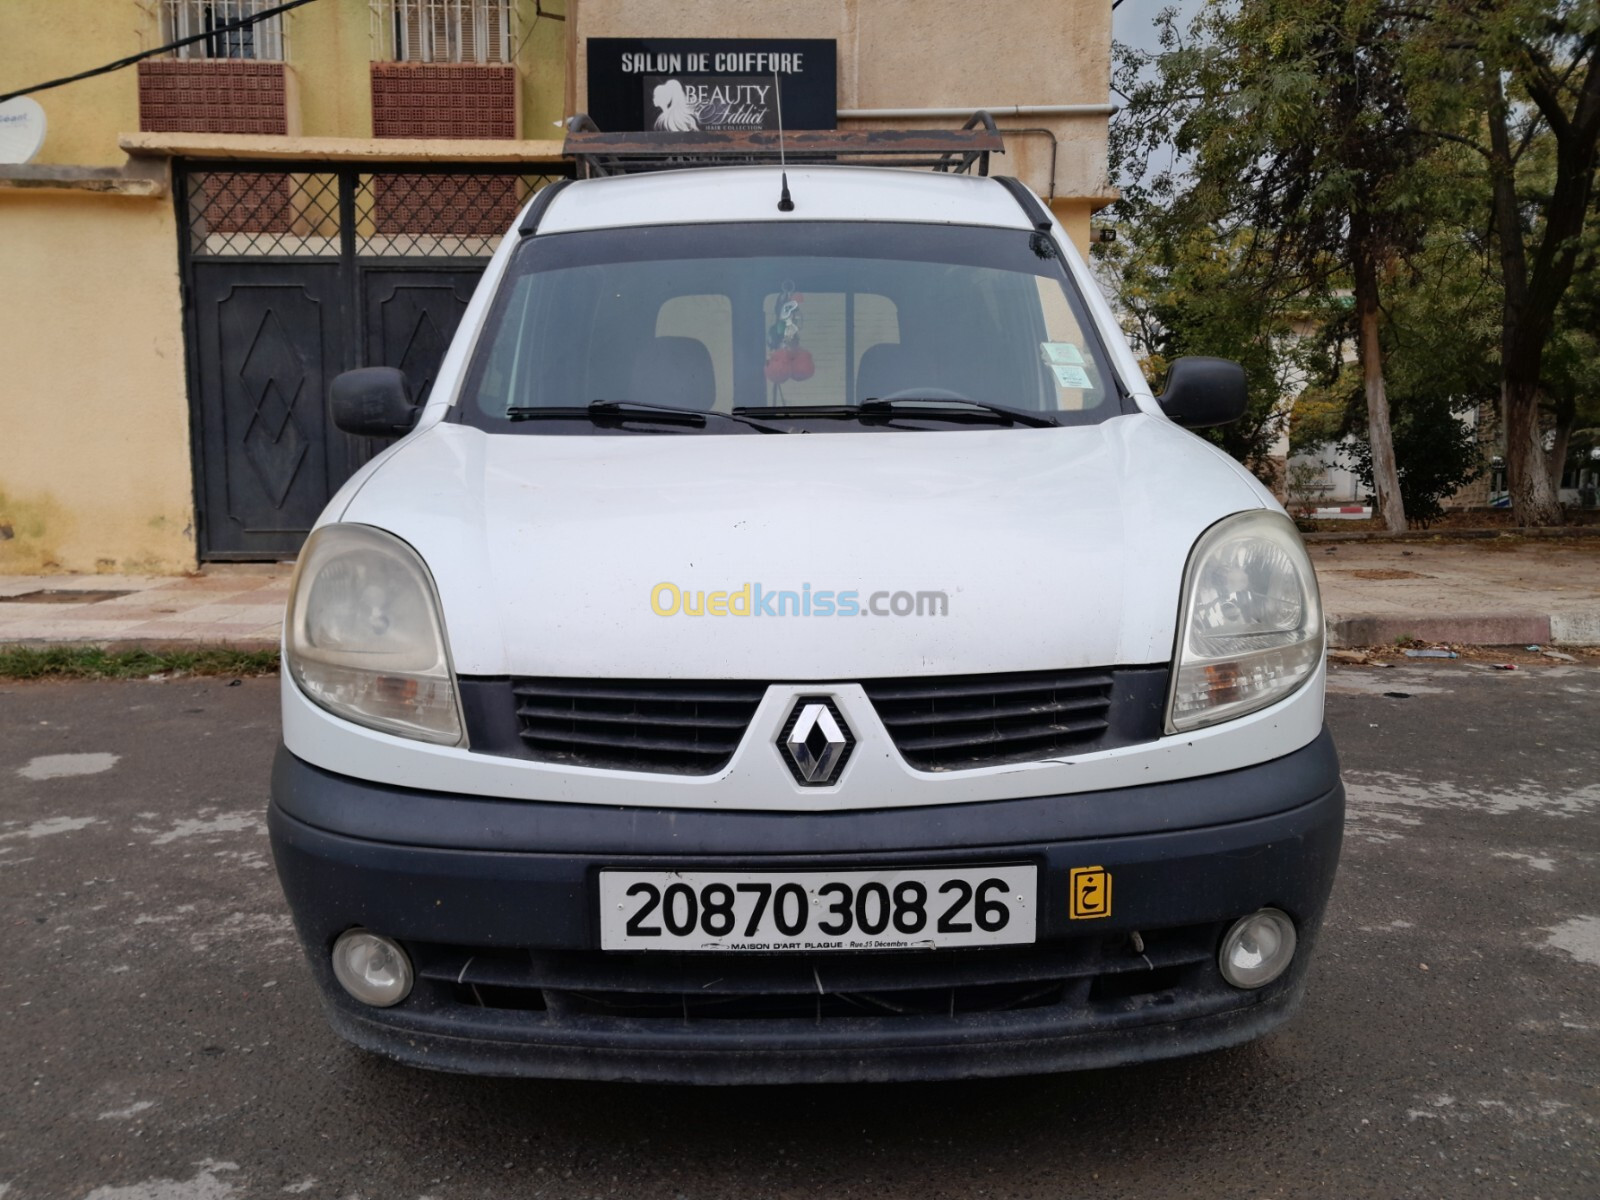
x=1542 y=533
x=1347 y=630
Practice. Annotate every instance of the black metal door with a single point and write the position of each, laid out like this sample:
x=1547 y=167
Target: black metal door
x=268 y=338
x=411 y=316
x=293 y=276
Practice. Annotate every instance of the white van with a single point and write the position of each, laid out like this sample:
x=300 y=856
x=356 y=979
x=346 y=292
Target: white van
x=795 y=645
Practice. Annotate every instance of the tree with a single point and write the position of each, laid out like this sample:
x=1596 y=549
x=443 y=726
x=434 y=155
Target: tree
x=1510 y=77
x=1442 y=372
x=1186 y=291
x=1440 y=345
x=1571 y=366
x=1294 y=127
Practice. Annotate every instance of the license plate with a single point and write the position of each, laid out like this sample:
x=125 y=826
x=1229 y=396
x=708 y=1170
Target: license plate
x=918 y=908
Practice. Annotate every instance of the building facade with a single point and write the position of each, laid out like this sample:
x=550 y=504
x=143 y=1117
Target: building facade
x=208 y=236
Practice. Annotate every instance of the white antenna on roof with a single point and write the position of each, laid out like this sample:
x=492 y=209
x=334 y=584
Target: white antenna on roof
x=785 y=204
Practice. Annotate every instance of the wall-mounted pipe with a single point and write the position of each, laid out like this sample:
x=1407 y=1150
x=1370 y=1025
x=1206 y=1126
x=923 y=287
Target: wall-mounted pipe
x=997 y=110
x=1049 y=133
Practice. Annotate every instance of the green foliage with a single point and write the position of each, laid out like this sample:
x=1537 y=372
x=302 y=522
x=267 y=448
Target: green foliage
x=1307 y=165
x=1290 y=121
x=1437 y=453
x=1439 y=346
x=1188 y=292
x=97 y=662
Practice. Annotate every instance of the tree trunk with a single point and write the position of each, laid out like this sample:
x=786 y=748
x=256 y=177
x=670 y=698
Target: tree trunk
x=1385 y=475
x=1566 y=414
x=1369 y=348
x=1533 y=500
x=1532 y=290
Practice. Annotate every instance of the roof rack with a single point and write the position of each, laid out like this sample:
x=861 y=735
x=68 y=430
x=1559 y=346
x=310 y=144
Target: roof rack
x=952 y=150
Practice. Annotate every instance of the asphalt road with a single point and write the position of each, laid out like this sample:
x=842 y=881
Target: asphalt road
x=160 y=1040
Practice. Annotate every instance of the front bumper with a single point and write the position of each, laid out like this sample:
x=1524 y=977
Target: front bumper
x=496 y=902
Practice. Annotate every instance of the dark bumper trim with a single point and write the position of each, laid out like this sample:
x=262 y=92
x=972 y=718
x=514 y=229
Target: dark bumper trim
x=408 y=817
x=970 y=1048
x=534 y=890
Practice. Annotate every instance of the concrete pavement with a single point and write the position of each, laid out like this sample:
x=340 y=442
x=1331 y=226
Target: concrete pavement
x=1494 y=592
x=1497 y=591
x=234 y=605
x=163 y=1040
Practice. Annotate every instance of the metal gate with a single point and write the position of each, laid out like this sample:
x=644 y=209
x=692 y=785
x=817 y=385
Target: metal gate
x=294 y=274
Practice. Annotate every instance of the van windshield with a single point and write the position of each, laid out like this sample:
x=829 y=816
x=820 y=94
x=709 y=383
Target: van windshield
x=799 y=327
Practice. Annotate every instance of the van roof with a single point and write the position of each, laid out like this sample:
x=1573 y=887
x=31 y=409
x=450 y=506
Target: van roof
x=820 y=193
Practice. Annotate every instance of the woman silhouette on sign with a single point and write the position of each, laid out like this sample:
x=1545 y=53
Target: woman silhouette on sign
x=677 y=114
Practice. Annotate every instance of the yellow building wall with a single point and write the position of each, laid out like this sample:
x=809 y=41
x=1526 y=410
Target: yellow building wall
x=906 y=54
x=47 y=39
x=330 y=45
x=94 y=452
x=543 y=64
x=95 y=467
x=95 y=455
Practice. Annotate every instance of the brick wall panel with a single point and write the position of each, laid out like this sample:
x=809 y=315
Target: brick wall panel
x=202 y=95
x=452 y=100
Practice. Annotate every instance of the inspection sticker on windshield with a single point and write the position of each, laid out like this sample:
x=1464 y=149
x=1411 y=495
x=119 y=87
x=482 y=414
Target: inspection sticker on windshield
x=893 y=908
x=1070 y=377
x=1065 y=353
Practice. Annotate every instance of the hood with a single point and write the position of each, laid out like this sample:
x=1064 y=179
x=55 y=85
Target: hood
x=1052 y=548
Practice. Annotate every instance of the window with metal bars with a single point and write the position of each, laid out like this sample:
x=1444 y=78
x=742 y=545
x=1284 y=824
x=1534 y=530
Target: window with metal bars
x=443 y=31
x=216 y=19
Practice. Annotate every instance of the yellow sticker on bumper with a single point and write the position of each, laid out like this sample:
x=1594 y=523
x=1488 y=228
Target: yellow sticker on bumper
x=1091 y=893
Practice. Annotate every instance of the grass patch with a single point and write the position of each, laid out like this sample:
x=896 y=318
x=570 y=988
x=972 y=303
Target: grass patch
x=97 y=662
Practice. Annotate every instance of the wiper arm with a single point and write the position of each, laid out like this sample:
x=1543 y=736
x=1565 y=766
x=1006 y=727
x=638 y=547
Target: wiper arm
x=933 y=406
x=781 y=411
x=664 y=414
x=904 y=406
x=602 y=409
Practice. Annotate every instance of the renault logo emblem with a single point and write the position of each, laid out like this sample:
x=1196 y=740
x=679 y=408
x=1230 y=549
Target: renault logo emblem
x=815 y=741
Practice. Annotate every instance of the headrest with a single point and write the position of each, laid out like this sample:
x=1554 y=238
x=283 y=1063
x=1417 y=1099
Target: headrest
x=885 y=368
x=674 y=371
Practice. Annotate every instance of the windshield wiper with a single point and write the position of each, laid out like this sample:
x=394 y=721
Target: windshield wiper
x=664 y=414
x=931 y=408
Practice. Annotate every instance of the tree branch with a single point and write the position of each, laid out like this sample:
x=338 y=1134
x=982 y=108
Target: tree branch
x=1450 y=137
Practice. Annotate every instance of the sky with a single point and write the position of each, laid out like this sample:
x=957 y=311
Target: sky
x=1133 y=21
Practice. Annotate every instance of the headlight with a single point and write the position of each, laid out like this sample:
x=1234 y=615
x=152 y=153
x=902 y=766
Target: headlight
x=364 y=639
x=1250 y=626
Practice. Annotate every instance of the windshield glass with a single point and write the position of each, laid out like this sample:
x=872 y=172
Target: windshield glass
x=794 y=326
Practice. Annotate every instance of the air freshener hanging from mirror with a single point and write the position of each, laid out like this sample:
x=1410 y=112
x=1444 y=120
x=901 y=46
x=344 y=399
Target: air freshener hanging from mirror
x=786 y=358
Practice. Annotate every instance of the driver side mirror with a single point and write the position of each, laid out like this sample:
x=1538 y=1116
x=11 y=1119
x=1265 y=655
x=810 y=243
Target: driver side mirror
x=372 y=402
x=1200 y=392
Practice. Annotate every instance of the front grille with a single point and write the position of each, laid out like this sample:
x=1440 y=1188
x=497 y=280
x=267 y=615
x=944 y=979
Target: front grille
x=963 y=721
x=692 y=727
x=1100 y=976
x=676 y=727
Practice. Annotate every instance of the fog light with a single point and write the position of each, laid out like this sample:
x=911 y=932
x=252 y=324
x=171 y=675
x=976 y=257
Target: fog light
x=1257 y=949
x=371 y=968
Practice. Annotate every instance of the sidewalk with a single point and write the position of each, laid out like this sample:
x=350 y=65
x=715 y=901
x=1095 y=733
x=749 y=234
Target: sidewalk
x=1475 y=593
x=1487 y=593
x=235 y=605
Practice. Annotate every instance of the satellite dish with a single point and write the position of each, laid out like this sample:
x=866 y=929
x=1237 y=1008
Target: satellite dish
x=22 y=126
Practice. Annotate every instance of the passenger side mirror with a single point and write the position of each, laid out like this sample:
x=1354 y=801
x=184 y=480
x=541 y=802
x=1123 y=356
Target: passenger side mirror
x=1203 y=391
x=372 y=402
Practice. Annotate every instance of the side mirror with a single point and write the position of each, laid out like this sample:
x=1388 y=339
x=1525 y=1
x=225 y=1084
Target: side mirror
x=372 y=402
x=1203 y=391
